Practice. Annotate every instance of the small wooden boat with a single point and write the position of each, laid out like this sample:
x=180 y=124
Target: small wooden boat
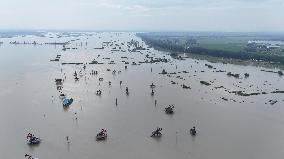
x=193 y=131
x=98 y=92
x=169 y=110
x=32 y=140
x=30 y=157
x=102 y=135
x=58 y=81
x=157 y=133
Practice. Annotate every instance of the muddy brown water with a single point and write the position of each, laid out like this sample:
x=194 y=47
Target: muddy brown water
x=246 y=128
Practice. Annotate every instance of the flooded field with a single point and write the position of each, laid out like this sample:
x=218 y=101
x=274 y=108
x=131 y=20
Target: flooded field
x=236 y=115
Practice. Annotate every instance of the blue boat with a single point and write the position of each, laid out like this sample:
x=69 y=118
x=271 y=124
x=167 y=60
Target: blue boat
x=67 y=102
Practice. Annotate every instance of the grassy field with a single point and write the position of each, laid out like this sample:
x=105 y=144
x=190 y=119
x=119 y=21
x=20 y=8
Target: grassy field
x=232 y=45
x=222 y=43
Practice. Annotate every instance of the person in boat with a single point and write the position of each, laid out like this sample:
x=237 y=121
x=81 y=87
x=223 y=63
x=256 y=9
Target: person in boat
x=152 y=85
x=29 y=135
x=158 y=131
x=59 y=88
x=193 y=131
x=127 y=92
x=102 y=135
x=99 y=92
x=29 y=156
x=32 y=139
x=170 y=109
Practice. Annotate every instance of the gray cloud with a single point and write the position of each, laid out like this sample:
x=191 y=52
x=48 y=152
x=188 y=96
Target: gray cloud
x=228 y=15
x=194 y=3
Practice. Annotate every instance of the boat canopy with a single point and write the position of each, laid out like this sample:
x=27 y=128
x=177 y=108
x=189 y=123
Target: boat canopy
x=66 y=101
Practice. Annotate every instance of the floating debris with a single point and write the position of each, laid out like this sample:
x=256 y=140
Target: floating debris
x=205 y=83
x=272 y=102
x=234 y=75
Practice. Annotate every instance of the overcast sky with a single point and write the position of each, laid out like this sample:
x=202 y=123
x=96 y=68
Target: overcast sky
x=144 y=15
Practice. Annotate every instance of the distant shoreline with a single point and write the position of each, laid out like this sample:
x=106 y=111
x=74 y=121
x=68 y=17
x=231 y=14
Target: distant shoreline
x=171 y=44
x=214 y=59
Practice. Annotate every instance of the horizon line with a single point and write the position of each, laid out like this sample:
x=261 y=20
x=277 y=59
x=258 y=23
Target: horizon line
x=134 y=30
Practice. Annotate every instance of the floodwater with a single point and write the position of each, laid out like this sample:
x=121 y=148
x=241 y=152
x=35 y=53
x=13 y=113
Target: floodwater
x=239 y=127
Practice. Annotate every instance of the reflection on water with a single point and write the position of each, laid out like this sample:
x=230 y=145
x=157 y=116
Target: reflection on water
x=228 y=125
